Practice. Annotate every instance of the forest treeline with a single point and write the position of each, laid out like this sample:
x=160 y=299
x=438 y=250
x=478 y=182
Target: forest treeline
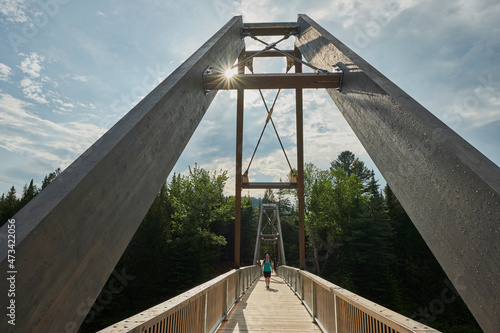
x=358 y=236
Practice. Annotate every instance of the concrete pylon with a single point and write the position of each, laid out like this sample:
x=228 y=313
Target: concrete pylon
x=449 y=189
x=71 y=235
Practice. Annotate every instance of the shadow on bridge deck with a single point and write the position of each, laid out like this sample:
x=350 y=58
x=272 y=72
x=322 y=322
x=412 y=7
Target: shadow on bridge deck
x=276 y=309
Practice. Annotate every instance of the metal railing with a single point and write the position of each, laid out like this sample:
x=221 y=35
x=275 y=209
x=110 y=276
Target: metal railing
x=200 y=309
x=335 y=309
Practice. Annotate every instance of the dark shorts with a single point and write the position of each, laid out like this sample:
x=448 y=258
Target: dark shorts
x=267 y=274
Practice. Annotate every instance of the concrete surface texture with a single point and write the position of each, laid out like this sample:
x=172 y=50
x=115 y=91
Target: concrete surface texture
x=448 y=188
x=71 y=235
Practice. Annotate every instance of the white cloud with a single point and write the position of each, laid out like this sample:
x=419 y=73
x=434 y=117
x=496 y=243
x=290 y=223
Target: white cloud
x=31 y=64
x=99 y=13
x=63 y=104
x=5 y=72
x=14 y=10
x=33 y=90
x=25 y=133
x=80 y=78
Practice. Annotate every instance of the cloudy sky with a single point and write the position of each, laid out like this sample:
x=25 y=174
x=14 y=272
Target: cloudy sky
x=70 y=69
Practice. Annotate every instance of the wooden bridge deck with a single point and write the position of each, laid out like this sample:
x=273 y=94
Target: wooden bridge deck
x=262 y=310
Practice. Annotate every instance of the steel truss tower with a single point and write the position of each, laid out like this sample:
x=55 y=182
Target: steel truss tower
x=269 y=230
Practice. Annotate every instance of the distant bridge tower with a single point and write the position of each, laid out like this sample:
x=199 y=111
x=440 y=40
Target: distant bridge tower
x=269 y=230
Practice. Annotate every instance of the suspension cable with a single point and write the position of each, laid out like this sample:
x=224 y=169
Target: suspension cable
x=273 y=46
x=268 y=47
x=269 y=113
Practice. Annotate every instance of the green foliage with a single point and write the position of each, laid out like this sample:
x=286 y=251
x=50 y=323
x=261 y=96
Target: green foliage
x=366 y=243
x=179 y=243
x=249 y=223
x=348 y=162
x=50 y=177
x=11 y=204
x=356 y=236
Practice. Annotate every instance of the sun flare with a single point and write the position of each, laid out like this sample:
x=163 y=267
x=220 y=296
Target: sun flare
x=230 y=72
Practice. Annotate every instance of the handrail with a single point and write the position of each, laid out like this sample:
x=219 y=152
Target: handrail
x=200 y=309
x=335 y=309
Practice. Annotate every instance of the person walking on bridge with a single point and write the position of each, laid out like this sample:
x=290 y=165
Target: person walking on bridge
x=266 y=269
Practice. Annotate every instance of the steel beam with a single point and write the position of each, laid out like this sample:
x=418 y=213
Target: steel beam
x=71 y=235
x=270 y=185
x=239 y=155
x=300 y=164
x=256 y=255
x=269 y=54
x=449 y=189
x=273 y=81
x=269 y=29
x=281 y=244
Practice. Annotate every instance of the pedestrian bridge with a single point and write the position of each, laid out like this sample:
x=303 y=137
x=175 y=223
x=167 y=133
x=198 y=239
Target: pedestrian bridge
x=297 y=301
x=69 y=237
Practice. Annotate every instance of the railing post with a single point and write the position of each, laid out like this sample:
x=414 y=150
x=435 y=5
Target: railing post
x=238 y=288
x=204 y=313
x=335 y=313
x=301 y=286
x=226 y=293
x=314 y=303
x=293 y=277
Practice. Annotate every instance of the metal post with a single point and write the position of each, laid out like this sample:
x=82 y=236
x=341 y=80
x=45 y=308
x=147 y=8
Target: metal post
x=281 y=251
x=314 y=304
x=256 y=255
x=300 y=165
x=204 y=311
x=239 y=153
x=335 y=313
x=226 y=293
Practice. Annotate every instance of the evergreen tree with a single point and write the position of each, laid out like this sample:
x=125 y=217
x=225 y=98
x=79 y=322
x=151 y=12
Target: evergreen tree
x=249 y=222
x=269 y=196
x=29 y=192
x=348 y=162
x=10 y=205
x=421 y=277
x=50 y=177
x=370 y=259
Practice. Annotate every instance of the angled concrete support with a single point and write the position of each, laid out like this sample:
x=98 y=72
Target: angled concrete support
x=448 y=188
x=70 y=237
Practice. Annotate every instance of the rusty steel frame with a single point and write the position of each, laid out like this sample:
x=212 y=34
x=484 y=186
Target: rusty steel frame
x=297 y=81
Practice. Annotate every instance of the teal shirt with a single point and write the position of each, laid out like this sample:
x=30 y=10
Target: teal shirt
x=267 y=266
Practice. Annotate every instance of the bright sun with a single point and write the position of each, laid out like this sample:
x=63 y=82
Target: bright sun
x=230 y=72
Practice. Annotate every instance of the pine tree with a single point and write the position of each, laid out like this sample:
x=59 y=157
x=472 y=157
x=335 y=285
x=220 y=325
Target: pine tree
x=50 y=177
x=348 y=162
x=369 y=255
x=10 y=205
x=29 y=192
x=269 y=196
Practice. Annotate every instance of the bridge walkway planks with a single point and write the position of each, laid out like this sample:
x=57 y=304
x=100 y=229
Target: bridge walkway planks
x=262 y=310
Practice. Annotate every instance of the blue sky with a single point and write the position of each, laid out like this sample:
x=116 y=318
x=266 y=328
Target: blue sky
x=70 y=69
